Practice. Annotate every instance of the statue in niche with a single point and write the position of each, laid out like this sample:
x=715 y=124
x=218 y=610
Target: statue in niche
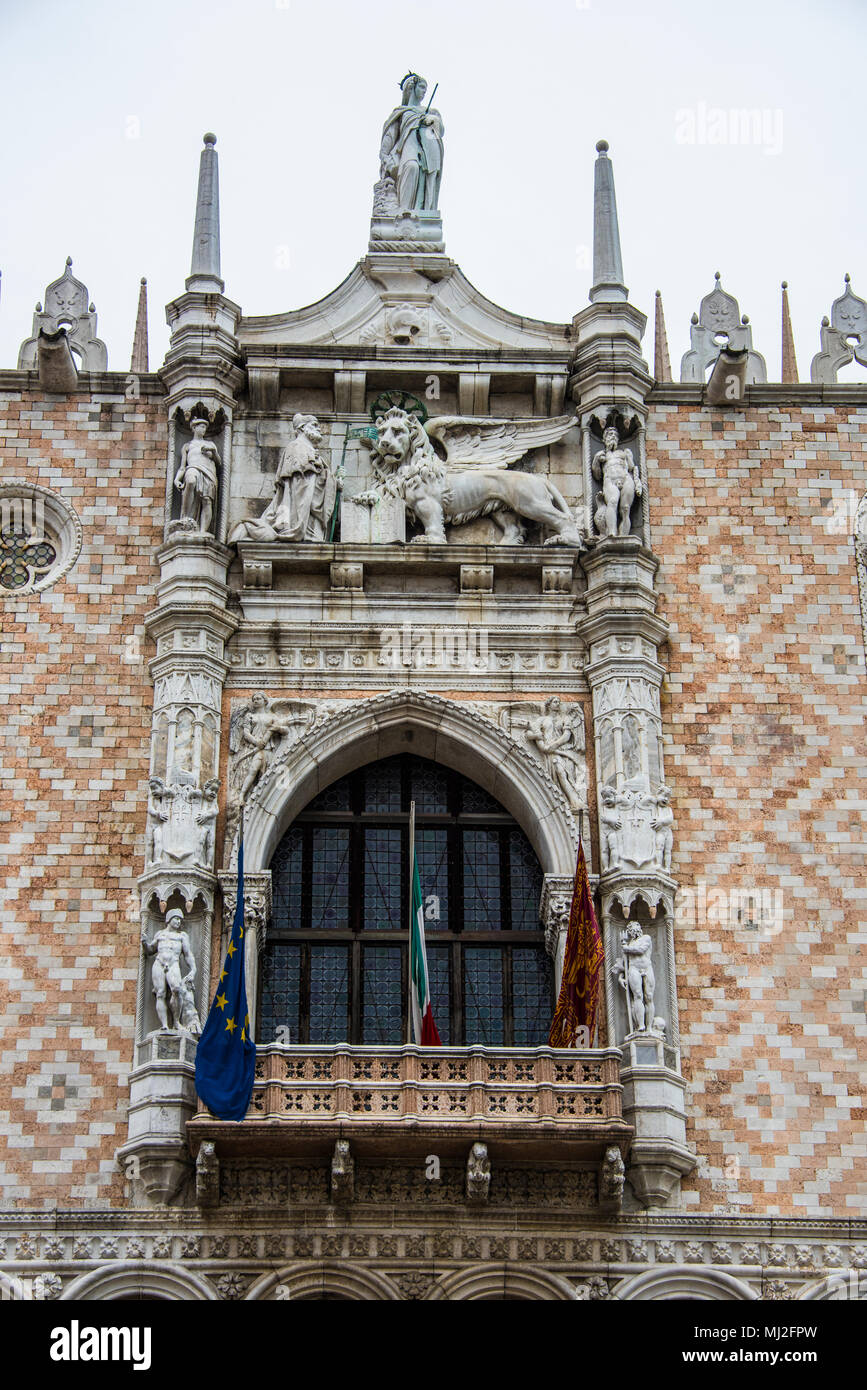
x=197 y=479
x=305 y=492
x=634 y=972
x=617 y=471
x=411 y=151
x=474 y=480
x=558 y=736
x=173 y=991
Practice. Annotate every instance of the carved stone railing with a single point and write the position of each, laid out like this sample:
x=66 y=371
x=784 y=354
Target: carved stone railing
x=529 y=1096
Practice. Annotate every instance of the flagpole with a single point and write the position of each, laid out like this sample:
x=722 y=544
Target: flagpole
x=409 y=1036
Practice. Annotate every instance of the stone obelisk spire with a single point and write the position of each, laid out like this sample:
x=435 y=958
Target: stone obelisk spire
x=790 y=365
x=205 y=264
x=608 y=286
x=139 y=360
x=661 y=359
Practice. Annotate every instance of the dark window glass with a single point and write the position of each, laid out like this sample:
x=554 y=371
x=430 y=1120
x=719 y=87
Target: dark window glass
x=383 y=879
x=382 y=1008
x=341 y=873
x=432 y=851
x=532 y=983
x=483 y=995
x=329 y=994
x=330 y=878
x=482 y=880
x=281 y=992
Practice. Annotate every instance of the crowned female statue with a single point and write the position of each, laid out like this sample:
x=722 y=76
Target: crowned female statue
x=411 y=151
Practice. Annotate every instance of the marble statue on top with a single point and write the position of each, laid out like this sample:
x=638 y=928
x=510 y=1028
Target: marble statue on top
x=474 y=478
x=406 y=197
x=305 y=492
x=173 y=975
x=616 y=469
x=411 y=150
x=197 y=480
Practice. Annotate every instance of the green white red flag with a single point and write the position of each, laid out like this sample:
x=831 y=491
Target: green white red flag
x=423 y=1027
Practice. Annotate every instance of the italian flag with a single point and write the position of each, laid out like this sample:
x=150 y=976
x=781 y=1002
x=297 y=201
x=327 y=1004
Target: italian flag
x=423 y=1026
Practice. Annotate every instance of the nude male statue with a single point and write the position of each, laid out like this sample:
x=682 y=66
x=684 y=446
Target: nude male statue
x=617 y=471
x=171 y=989
x=635 y=973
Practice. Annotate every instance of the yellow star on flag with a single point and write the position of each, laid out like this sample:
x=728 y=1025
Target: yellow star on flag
x=231 y=1025
x=231 y=949
x=222 y=1000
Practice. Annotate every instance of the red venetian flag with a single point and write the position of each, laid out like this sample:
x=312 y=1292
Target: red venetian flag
x=582 y=964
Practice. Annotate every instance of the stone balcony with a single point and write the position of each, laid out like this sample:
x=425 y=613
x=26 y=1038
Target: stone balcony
x=529 y=1103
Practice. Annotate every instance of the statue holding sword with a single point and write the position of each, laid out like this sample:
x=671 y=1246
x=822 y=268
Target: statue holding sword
x=411 y=151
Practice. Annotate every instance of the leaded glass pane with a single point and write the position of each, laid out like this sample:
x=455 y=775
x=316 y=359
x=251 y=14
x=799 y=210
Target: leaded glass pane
x=482 y=907
x=429 y=783
x=334 y=798
x=281 y=992
x=525 y=882
x=382 y=998
x=329 y=994
x=532 y=996
x=483 y=996
x=431 y=847
x=330 y=878
x=383 y=879
x=286 y=879
x=476 y=802
x=382 y=786
x=439 y=974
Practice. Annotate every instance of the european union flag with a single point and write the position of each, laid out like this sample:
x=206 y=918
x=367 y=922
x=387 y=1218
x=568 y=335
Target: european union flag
x=226 y=1054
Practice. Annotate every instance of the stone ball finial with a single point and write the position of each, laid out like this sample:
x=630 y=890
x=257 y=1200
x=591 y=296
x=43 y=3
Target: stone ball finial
x=209 y=138
x=69 y=260
x=785 y=284
x=144 y=280
x=716 y=275
x=848 y=278
x=602 y=146
x=694 y=318
x=745 y=318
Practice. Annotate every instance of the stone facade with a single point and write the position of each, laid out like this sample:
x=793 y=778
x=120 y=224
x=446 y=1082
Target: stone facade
x=642 y=625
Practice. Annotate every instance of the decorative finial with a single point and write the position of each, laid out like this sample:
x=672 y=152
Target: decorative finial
x=602 y=146
x=143 y=280
x=68 y=261
x=847 y=278
x=694 y=318
x=716 y=275
x=785 y=284
x=209 y=138
x=745 y=318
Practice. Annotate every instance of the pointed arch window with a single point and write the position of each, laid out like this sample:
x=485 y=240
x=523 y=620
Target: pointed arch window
x=335 y=962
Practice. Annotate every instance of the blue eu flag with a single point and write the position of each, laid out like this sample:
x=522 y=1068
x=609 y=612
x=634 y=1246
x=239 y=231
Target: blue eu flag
x=226 y=1054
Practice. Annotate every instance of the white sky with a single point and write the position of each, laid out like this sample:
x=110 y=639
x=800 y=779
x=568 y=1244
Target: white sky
x=104 y=103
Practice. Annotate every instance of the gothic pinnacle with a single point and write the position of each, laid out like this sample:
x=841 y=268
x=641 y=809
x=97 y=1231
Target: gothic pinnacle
x=789 y=372
x=206 y=238
x=661 y=359
x=608 y=286
x=139 y=360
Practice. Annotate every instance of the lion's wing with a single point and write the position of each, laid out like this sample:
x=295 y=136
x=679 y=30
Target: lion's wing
x=470 y=441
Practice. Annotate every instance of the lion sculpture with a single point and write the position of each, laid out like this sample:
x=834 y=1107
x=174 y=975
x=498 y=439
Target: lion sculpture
x=474 y=480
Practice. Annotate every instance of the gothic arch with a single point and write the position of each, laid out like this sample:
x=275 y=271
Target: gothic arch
x=685 y=1281
x=503 y=1281
x=409 y=721
x=328 y=1278
x=139 y=1279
